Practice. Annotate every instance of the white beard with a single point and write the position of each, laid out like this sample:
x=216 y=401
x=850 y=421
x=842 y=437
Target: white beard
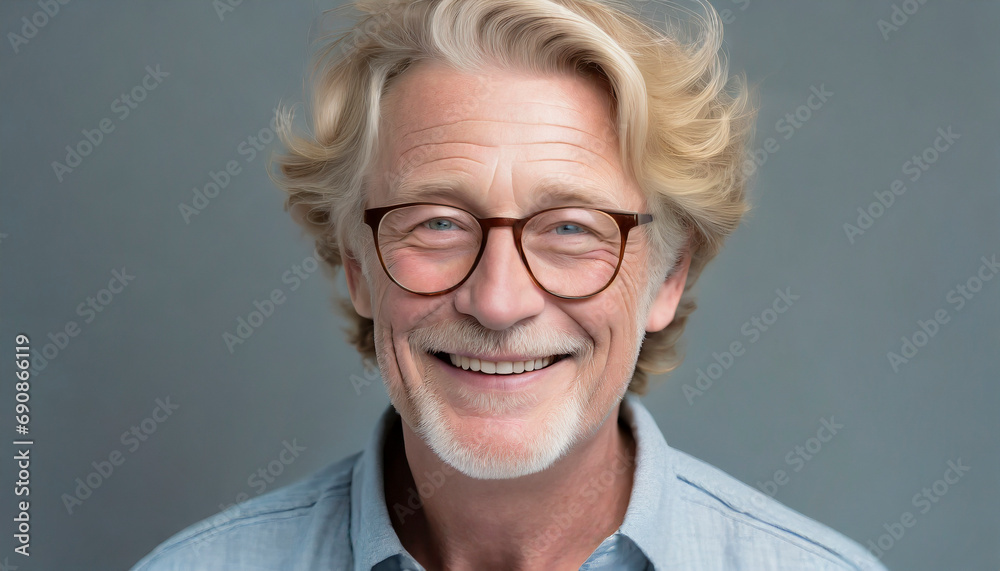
x=499 y=453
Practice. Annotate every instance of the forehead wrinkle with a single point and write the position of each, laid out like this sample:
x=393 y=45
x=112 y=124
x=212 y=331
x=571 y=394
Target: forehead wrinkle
x=581 y=147
x=432 y=144
x=602 y=157
x=507 y=121
x=432 y=161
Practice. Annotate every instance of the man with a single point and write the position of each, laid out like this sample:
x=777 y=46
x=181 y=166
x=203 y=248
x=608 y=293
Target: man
x=522 y=194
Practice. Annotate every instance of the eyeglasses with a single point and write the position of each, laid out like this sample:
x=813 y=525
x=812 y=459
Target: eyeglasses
x=570 y=252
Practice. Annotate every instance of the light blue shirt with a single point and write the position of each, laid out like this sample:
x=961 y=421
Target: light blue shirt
x=683 y=515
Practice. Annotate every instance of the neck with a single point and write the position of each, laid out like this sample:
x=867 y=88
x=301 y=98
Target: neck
x=550 y=520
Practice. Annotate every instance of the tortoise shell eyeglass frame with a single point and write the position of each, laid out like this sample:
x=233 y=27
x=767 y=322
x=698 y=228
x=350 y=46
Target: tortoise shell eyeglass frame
x=626 y=222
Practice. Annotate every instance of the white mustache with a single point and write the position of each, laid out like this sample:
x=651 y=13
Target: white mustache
x=468 y=337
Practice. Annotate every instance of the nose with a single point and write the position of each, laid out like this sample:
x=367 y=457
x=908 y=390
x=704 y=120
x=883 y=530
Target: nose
x=500 y=293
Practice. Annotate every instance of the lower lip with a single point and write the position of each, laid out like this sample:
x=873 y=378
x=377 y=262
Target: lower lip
x=487 y=382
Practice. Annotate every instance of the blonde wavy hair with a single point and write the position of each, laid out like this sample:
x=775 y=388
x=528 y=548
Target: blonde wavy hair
x=684 y=126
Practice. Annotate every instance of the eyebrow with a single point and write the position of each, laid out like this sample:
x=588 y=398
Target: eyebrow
x=575 y=193
x=422 y=190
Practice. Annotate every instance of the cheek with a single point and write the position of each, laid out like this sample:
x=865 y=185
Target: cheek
x=612 y=322
x=393 y=310
x=614 y=312
x=633 y=288
x=396 y=314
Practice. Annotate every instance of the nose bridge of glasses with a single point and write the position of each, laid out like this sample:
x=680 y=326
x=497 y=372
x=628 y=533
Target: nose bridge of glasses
x=488 y=224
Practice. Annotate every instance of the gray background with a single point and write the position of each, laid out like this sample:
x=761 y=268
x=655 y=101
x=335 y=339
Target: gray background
x=162 y=336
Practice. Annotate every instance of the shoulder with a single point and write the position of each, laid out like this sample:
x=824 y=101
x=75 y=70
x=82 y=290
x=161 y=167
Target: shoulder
x=753 y=524
x=267 y=532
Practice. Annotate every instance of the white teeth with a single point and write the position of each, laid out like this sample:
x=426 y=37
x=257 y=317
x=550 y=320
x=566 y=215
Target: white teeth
x=499 y=367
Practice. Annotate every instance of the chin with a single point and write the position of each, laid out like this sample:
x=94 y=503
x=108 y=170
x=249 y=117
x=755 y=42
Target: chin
x=490 y=436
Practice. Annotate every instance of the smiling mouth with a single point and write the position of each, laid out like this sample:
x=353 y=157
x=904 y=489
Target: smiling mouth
x=497 y=367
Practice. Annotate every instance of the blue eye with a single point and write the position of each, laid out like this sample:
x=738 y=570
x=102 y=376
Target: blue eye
x=440 y=224
x=568 y=229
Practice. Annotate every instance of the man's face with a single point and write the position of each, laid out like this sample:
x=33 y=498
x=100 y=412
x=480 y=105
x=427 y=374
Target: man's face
x=482 y=142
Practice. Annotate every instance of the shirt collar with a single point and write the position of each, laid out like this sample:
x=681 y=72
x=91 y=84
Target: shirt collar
x=372 y=537
x=646 y=522
x=649 y=518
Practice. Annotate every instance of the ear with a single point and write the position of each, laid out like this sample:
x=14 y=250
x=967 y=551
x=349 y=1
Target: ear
x=665 y=305
x=357 y=286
